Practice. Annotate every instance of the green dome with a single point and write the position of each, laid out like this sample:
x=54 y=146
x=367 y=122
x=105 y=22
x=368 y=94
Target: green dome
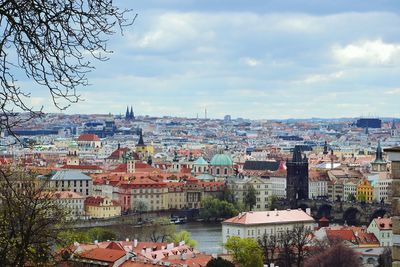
x=200 y=161
x=221 y=160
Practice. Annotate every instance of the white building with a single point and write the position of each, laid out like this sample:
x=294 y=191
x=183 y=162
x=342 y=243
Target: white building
x=381 y=189
x=255 y=224
x=349 y=188
x=278 y=186
x=72 y=201
x=382 y=229
x=262 y=187
x=318 y=186
x=71 y=180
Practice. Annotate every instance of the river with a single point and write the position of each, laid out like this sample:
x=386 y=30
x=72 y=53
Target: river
x=207 y=235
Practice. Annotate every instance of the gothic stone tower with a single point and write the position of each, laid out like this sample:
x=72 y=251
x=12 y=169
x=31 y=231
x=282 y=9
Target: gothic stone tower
x=394 y=157
x=297 y=178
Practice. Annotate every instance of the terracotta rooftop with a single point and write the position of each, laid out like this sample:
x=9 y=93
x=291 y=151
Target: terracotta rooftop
x=88 y=137
x=103 y=254
x=266 y=217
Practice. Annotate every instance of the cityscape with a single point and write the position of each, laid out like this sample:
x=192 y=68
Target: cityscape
x=188 y=134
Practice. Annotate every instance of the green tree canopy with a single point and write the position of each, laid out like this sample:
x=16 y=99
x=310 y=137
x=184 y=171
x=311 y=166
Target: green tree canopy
x=245 y=251
x=213 y=208
x=183 y=236
x=219 y=262
x=250 y=198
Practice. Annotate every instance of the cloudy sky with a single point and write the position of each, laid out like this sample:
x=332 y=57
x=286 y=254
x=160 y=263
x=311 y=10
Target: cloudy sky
x=253 y=59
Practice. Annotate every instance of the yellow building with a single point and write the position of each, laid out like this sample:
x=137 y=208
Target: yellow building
x=102 y=207
x=176 y=195
x=364 y=191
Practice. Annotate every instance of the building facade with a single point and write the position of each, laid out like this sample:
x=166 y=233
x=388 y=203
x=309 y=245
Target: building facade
x=102 y=207
x=71 y=180
x=254 y=224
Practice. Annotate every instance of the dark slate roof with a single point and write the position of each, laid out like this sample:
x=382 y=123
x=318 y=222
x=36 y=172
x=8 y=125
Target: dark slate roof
x=261 y=165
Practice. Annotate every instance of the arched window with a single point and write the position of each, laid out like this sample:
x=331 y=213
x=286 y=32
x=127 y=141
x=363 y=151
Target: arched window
x=217 y=171
x=226 y=171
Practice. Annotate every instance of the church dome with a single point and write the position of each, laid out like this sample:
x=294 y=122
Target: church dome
x=200 y=161
x=221 y=160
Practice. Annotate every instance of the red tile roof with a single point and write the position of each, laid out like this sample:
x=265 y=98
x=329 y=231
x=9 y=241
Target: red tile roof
x=81 y=167
x=103 y=254
x=88 y=137
x=346 y=235
x=97 y=201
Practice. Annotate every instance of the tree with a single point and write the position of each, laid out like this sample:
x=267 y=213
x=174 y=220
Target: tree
x=29 y=220
x=268 y=244
x=351 y=198
x=286 y=245
x=69 y=237
x=183 y=236
x=161 y=229
x=301 y=239
x=337 y=255
x=213 y=208
x=246 y=252
x=140 y=206
x=48 y=41
x=273 y=202
x=219 y=262
x=100 y=234
x=250 y=198
x=228 y=195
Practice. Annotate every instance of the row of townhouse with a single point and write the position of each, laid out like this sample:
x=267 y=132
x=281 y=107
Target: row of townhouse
x=360 y=190
x=150 y=194
x=80 y=207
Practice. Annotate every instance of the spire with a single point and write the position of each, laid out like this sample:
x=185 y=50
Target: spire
x=131 y=115
x=297 y=154
x=127 y=113
x=141 y=142
x=325 y=148
x=379 y=156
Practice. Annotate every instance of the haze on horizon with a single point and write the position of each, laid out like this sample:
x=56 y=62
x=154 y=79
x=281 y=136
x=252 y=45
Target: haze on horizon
x=276 y=60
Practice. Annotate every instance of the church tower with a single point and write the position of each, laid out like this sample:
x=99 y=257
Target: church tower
x=379 y=164
x=393 y=130
x=127 y=113
x=297 y=178
x=131 y=115
x=325 y=148
x=73 y=157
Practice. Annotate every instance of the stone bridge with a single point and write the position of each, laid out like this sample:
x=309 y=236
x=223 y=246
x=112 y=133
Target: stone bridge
x=346 y=212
